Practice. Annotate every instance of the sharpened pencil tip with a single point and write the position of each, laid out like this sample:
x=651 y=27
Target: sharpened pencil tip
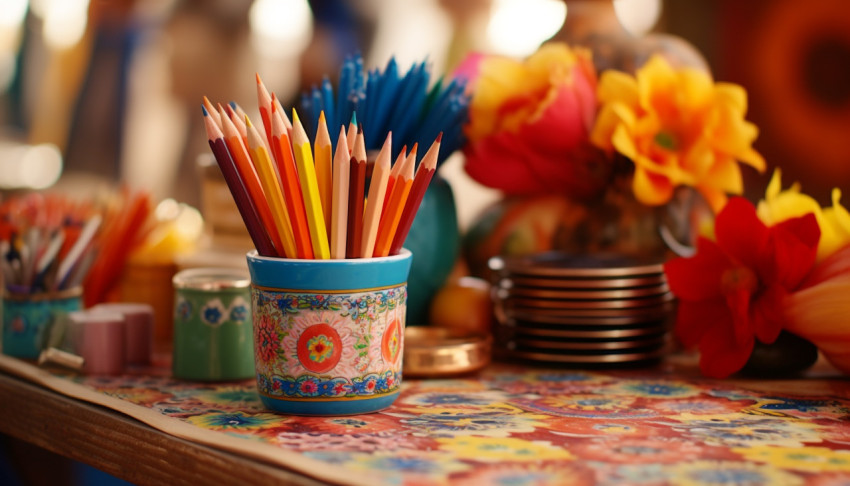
x=259 y=81
x=204 y=110
x=232 y=104
x=248 y=122
x=439 y=137
x=322 y=117
x=295 y=118
x=354 y=118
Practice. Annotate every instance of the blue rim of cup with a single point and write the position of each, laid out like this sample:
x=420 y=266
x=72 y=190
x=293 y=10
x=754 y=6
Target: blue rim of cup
x=329 y=275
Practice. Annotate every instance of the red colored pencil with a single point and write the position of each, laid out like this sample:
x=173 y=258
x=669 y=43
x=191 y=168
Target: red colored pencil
x=264 y=101
x=244 y=204
x=240 y=156
x=426 y=171
x=356 y=188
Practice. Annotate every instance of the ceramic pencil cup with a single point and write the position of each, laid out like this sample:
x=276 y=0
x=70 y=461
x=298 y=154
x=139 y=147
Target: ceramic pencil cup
x=28 y=318
x=328 y=334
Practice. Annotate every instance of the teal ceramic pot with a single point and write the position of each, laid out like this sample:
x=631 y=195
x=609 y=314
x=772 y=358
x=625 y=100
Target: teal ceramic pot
x=434 y=240
x=328 y=334
x=27 y=319
x=213 y=335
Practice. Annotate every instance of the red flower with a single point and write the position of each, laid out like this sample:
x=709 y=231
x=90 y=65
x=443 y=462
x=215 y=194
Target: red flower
x=732 y=291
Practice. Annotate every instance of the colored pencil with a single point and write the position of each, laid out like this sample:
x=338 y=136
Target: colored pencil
x=279 y=109
x=395 y=206
x=356 y=188
x=244 y=203
x=248 y=174
x=264 y=101
x=423 y=177
x=288 y=173
x=237 y=116
x=216 y=117
x=399 y=162
x=82 y=242
x=309 y=189
x=323 y=156
x=339 y=200
x=375 y=200
x=351 y=137
x=271 y=188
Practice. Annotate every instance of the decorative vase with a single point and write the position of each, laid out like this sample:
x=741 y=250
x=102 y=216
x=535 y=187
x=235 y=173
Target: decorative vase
x=434 y=240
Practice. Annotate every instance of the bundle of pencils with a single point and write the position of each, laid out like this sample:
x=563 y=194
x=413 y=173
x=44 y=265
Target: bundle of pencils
x=313 y=201
x=390 y=101
x=46 y=242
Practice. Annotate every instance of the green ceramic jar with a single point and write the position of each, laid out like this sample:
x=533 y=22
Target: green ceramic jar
x=213 y=333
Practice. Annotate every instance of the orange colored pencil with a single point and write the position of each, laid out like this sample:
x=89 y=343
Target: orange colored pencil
x=237 y=116
x=427 y=168
x=282 y=150
x=264 y=100
x=249 y=176
x=377 y=191
x=395 y=206
x=271 y=187
x=356 y=188
x=339 y=201
x=276 y=107
x=323 y=157
x=399 y=162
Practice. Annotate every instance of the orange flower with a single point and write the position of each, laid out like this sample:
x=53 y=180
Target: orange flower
x=679 y=128
x=529 y=123
x=818 y=312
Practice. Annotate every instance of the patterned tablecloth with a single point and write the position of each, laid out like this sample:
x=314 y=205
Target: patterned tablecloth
x=517 y=425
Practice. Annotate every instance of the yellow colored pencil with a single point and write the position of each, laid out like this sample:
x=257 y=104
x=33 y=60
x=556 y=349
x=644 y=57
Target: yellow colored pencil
x=339 y=201
x=309 y=189
x=323 y=157
x=271 y=187
x=375 y=199
x=395 y=205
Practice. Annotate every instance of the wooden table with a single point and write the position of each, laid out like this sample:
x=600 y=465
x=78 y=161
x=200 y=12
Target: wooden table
x=122 y=446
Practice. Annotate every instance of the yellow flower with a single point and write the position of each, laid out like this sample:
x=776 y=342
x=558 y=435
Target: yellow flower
x=779 y=205
x=814 y=459
x=679 y=128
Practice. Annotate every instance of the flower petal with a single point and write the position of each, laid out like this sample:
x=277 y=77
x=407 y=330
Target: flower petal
x=698 y=277
x=694 y=319
x=720 y=354
x=739 y=232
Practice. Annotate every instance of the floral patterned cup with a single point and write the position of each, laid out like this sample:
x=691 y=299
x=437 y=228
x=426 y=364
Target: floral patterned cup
x=212 y=325
x=328 y=334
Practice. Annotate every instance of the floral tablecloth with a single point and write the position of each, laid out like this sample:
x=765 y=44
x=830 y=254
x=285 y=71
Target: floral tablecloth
x=517 y=425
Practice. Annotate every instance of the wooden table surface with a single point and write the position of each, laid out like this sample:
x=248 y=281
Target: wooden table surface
x=122 y=446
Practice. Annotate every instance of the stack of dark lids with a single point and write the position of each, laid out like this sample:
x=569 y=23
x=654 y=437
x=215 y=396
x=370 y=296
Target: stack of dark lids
x=580 y=309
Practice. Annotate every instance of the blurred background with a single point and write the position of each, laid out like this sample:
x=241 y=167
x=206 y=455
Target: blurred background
x=99 y=92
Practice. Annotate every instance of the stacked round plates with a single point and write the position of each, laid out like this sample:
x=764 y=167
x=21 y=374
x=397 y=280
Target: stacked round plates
x=580 y=309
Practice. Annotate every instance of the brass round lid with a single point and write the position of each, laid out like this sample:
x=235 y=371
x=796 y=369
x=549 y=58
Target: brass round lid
x=561 y=264
x=431 y=351
x=585 y=283
x=583 y=359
